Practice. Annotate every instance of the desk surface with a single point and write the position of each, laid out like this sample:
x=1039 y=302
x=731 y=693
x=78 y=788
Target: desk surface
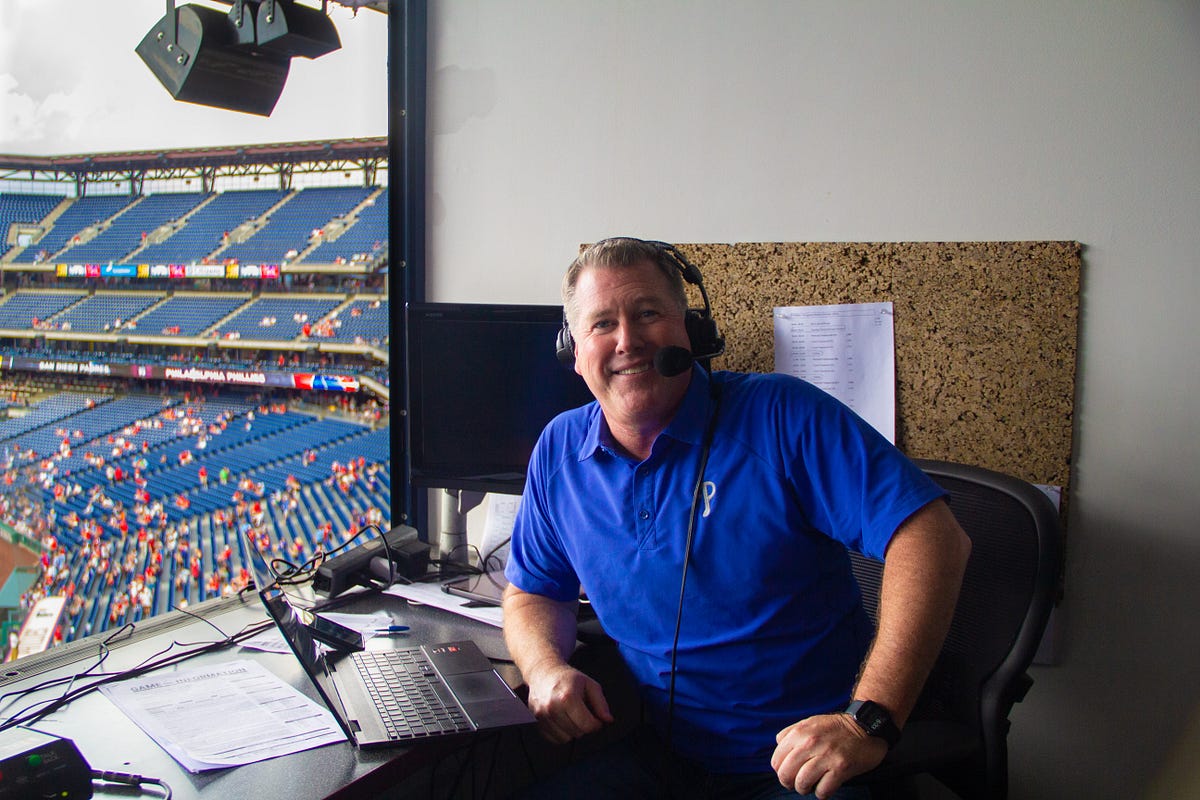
x=110 y=741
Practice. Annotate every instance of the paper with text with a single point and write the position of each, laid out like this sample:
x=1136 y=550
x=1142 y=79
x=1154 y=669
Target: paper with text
x=847 y=350
x=498 y=528
x=431 y=594
x=224 y=715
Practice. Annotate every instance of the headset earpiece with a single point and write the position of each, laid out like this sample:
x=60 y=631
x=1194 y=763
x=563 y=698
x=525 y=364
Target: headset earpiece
x=703 y=336
x=564 y=345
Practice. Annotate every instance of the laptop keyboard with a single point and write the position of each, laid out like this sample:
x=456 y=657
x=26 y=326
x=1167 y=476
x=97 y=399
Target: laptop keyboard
x=411 y=698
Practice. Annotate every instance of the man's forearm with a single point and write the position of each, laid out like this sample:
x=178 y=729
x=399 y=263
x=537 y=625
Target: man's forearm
x=539 y=631
x=922 y=575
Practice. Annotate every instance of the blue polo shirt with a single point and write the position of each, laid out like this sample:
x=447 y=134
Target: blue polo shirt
x=773 y=629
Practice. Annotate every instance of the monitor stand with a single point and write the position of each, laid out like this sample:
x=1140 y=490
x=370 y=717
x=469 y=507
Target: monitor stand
x=452 y=524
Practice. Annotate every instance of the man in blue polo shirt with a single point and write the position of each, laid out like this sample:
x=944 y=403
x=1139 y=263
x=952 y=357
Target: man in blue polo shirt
x=707 y=517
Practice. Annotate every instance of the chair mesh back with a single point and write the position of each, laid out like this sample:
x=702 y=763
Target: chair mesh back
x=997 y=590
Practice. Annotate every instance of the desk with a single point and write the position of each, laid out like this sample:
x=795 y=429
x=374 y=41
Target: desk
x=110 y=741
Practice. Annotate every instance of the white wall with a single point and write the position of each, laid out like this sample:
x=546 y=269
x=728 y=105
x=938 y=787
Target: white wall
x=563 y=121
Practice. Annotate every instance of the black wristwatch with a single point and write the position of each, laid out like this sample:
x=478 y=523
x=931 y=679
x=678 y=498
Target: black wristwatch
x=874 y=719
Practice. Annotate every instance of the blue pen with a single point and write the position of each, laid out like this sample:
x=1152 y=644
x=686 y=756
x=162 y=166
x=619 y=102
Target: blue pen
x=392 y=629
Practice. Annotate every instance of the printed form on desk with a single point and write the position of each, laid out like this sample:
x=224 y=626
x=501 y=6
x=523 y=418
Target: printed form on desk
x=224 y=715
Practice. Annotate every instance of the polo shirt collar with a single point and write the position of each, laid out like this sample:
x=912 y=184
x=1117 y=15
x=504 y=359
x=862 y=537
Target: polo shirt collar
x=687 y=425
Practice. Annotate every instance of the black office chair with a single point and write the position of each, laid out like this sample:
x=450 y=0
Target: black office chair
x=958 y=731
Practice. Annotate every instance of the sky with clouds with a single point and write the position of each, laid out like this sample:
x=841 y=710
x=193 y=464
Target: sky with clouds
x=71 y=83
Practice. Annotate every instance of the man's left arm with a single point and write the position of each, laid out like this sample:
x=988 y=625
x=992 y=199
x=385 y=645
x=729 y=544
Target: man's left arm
x=922 y=573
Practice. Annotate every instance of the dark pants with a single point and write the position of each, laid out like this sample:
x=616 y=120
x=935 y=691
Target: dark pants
x=640 y=767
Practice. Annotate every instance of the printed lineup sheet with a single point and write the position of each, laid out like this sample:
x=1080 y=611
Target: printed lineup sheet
x=225 y=715
x=848 y=350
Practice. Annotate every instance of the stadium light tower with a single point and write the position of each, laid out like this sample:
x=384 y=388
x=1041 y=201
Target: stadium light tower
x=237 y=60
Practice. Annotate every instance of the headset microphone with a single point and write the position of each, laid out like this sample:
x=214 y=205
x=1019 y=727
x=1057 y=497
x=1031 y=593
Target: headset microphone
x=672 y=360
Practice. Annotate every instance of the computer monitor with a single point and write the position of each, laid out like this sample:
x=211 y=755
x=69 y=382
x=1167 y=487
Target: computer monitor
x=483 y=380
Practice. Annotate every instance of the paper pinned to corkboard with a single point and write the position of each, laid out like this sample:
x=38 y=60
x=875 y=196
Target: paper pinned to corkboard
x=986 y=335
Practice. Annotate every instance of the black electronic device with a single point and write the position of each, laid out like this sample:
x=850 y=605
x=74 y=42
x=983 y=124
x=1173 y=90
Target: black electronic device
x=482 y=385
x=353 y=568
x=486 y=588
x=331 y=632
x=36 y=764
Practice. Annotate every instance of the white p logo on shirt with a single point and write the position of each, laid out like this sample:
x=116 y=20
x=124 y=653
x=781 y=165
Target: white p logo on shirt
x=710 y=489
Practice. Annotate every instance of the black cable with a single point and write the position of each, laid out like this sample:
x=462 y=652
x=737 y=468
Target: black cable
x=151 y=663
x=287 y=573
x=697 y=491
x=492 y=554
x=128 y=779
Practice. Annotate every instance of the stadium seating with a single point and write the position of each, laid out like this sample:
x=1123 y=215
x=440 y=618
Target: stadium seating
x=205 y=230
x=51 y=410
x=19 y=310
x=363 y=321
x=363 y=239
x=105 y=311
x=277 y=318
x=273 y=452
x=30 y=208
x=190 y=313
x=86 y=424
x=291 y=226
x=83 y=213
x=129 y=230
x=130 y=451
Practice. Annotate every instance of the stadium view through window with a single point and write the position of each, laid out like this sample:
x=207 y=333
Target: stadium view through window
x=193 y=362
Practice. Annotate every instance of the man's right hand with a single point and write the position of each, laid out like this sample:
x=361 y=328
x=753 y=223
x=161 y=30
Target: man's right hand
x=567 y=703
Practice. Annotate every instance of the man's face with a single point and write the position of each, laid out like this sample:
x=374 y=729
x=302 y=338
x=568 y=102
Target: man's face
x=625 y=316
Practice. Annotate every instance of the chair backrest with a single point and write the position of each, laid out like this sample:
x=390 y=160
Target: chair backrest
x=1008 y=591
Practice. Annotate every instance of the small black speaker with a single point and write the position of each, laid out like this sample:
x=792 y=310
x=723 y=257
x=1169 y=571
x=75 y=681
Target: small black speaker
x=209 y=65
x=291 y=29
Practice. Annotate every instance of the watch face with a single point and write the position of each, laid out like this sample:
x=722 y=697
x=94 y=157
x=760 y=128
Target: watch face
x=874 y=719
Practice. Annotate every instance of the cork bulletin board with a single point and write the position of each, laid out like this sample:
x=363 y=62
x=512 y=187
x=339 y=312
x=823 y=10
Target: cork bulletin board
x=985 y=336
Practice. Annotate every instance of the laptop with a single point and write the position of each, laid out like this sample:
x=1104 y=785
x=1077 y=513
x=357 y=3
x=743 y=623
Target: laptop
x=391 y=697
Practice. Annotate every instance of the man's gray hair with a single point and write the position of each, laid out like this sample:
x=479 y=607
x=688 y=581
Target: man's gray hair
x=617 y=253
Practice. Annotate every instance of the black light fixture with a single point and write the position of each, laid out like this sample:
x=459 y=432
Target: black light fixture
x=240 y=60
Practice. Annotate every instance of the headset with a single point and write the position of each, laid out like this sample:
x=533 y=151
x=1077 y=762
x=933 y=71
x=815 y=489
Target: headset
x=704 y=338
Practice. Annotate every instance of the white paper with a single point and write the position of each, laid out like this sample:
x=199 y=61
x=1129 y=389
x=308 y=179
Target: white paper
x=847 y=350
x=224 y=715
x=498 y=528
x=431 y=594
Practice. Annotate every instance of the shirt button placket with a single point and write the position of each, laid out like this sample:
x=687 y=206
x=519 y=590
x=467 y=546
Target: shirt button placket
x=645 y=517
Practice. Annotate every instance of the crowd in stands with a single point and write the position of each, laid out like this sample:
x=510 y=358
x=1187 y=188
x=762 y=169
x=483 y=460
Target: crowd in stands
x=140 y=558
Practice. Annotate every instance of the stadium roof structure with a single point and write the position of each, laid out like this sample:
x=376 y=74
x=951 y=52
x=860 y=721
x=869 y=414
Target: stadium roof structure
x=204 y=163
